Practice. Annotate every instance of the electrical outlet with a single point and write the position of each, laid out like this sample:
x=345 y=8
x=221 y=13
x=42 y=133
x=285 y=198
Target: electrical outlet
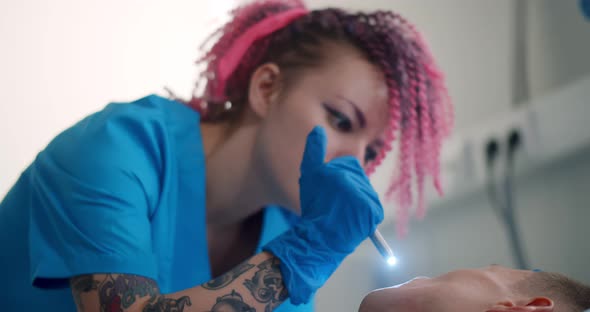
x=526 y=123
x=463 y=157
x=523 y=121
x=551 y=126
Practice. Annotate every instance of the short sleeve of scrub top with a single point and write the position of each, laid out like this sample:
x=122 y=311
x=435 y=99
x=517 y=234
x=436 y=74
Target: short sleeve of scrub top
x=95 y=187
x=121 y=191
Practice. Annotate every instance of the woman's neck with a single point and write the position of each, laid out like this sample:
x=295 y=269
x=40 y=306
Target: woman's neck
x=232 y=193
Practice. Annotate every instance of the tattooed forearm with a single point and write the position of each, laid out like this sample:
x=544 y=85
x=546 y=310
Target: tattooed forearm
x=228 y=277
x=118 y=292
x=267 y=284
x=123 y=290
x=233 y=302
x=255 y=285
x=168 y=305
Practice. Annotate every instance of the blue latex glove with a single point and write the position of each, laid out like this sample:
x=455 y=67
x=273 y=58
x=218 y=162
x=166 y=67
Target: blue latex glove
x=339 y=209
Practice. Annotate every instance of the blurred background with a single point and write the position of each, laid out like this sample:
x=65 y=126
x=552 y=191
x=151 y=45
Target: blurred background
x=514 y=67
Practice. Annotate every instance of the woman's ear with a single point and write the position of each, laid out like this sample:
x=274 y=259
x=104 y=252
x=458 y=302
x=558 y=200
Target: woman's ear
x=264 y=88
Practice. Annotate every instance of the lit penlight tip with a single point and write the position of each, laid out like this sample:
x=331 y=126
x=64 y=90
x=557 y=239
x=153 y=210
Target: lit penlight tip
x=392 y=261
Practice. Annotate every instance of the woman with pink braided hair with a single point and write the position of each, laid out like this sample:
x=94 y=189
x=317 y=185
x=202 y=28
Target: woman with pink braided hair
x=245 y=197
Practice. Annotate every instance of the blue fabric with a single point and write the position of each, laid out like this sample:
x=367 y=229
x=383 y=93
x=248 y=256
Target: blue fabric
x=121 y=191
x=339 y=209
x=585 y=7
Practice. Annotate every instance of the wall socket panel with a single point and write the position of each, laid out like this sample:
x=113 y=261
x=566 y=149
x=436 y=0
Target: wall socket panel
x=551 y=126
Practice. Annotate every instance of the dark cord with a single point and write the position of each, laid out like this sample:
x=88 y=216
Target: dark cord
x=514 y=142
x=492 y=152
x=504 y=205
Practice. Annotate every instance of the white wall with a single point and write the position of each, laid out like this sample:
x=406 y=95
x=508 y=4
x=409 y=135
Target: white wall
x=61 y=60
x=558 y=44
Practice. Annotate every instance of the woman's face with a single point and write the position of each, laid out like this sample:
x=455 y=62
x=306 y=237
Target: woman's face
x=347 y=95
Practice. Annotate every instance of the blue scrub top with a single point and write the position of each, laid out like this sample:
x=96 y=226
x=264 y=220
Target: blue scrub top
x=122 y=191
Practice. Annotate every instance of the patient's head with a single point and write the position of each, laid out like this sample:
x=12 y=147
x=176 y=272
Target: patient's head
x=490 y=289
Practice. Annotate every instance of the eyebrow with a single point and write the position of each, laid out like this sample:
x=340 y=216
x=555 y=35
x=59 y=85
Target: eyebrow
x=359 y=114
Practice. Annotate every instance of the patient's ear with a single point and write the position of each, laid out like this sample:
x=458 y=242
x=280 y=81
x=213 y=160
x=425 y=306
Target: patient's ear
x=540 y=304
x=537 y=304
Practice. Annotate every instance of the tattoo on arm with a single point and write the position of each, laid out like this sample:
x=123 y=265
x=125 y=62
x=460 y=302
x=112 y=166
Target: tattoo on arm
x=168 y=305
x=117 y=292
x=82 y=284
x=267 y=284
x=120 y=292
x=227 y=278
x=232 y=302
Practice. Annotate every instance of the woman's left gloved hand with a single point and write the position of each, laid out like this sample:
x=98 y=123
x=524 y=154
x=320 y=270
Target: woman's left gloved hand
x=339 y=209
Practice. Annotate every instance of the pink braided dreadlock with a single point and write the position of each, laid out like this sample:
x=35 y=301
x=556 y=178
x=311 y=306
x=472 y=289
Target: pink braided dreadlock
x=421 y=114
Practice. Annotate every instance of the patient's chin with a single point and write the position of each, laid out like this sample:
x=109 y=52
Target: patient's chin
x=394 y=299
x=415 y=282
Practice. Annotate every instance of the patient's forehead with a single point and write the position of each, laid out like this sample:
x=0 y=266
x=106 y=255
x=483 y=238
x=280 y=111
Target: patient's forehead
x=490 y=277
x=495 y=276
x=504 y=276
x=507 y=272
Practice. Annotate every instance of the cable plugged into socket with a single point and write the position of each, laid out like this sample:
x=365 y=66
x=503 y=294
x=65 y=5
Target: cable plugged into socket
x=492 y=149
x=514 y=141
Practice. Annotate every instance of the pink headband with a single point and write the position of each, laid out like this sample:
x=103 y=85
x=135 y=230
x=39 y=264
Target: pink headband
x=231 y=59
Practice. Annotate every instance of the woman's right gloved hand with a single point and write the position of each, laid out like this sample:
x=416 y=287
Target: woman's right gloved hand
x=339 y=209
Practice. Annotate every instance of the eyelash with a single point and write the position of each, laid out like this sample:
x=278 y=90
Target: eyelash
x=336 y=117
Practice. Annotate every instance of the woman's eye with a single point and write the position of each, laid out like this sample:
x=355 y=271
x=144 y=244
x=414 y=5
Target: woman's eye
x=339 y=120
x=370 y=154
